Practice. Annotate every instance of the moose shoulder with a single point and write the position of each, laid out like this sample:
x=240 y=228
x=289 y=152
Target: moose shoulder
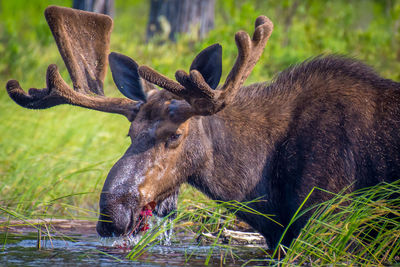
x=329 y=122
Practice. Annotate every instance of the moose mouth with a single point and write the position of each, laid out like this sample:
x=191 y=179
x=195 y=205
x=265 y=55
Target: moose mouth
x=143 y=220
x=132 y=236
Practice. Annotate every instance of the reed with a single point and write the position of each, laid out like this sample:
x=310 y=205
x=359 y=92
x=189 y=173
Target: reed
x=362 y=227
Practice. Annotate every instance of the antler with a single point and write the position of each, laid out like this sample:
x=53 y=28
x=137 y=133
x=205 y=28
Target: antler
x=83 y=40
x=194 y=89
x=58 y=92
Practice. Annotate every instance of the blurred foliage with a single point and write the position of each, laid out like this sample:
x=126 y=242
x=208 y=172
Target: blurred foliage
x=66 y=150
x=367 y=30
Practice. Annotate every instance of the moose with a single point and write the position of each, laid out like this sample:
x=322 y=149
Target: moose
x=330 y=122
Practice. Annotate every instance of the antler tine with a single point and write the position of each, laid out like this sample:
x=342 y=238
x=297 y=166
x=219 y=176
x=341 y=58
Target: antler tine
x=193 y=87
x=156 y=78
x=204 y=100
x=58 y=92
x=249 y=52
x=207 y=101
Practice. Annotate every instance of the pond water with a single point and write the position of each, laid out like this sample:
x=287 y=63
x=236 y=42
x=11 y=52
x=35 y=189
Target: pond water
x=75 y=243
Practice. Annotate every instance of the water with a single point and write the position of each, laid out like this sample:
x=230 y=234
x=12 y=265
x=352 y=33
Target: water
x=168 y=225
x=80 y=246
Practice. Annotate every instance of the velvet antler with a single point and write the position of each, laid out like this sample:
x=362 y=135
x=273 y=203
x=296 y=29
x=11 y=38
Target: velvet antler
x=83 y=40
x=197 y=92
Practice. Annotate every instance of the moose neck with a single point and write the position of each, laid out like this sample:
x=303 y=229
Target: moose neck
x=240 y=146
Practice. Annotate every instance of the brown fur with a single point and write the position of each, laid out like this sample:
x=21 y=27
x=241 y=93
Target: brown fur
x=330 y=122
x=84 y=49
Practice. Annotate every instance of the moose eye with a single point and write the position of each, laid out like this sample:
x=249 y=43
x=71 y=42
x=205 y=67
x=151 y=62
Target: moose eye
x=174 y=137
x=173 y=140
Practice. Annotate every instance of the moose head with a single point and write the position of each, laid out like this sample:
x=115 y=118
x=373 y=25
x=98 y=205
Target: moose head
x=171 y=130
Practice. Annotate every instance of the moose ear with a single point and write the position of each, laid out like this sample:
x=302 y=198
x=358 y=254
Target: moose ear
x=209 y=63
x=125 y=75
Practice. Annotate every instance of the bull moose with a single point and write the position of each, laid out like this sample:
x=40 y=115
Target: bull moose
x=330 y=122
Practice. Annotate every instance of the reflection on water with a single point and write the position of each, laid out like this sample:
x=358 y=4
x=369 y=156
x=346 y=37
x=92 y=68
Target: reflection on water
x=177 y=248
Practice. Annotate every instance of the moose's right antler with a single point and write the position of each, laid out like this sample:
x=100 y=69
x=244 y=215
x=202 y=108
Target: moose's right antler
x=193 y=87
x=83 y=40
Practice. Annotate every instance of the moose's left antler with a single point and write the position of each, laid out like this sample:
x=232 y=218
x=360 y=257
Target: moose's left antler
x=195 y=90
x=83 y=40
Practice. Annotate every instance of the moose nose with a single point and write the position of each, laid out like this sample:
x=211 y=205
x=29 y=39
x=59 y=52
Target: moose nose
x=104 y=229
x=118 y=224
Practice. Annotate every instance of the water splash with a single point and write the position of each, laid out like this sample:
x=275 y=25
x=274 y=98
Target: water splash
x=144 y=224
x=164 y=225
x=167 y=226
x=120 y=242
x=150 y=223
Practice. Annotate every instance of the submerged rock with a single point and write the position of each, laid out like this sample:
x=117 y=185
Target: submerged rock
x=226 y=236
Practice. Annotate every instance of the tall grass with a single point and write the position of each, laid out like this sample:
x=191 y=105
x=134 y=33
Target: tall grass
x=362 y=227
x=43 y=157
x=196 y=218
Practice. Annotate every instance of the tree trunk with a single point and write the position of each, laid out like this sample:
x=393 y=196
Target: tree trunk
x=98 y=6
x=170 y=17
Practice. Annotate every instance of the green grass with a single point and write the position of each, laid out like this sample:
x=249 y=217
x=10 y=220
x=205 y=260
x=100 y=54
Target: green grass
x=358 y=228
x=198 y=217
x=53 y=162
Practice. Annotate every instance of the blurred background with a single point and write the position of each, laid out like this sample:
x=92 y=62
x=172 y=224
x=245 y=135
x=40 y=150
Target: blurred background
x=54 y=162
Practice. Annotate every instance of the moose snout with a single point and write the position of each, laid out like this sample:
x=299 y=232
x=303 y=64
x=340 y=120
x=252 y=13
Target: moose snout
x=114 y=223
x=119 y=199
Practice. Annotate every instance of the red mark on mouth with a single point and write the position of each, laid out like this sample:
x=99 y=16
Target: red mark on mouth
x=145 y=214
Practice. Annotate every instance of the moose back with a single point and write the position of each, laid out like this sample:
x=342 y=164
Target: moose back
x=329 y=122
